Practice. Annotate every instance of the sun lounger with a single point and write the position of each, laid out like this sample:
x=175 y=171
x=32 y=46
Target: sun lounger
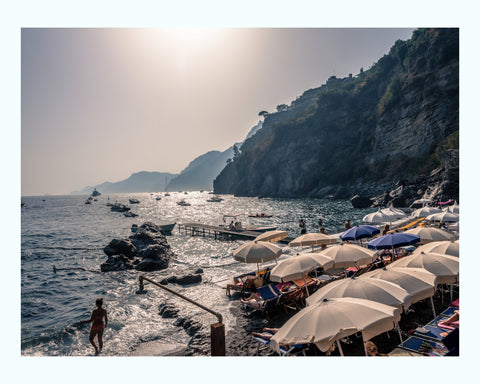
x=433 y=332
x=307 y=283
x=291 y=351
x=424 y=346
x=271 y=298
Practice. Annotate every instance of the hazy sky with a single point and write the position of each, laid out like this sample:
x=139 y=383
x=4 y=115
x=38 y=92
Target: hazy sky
x=100 y=104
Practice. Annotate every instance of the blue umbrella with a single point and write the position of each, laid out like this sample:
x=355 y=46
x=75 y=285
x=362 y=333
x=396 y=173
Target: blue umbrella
x=393 y=240
x=359 y=232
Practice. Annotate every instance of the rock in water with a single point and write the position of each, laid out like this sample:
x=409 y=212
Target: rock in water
x=361 y=201
x=145 y=250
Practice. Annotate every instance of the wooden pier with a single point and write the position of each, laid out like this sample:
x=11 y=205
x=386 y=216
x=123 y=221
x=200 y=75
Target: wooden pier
x=219 y=232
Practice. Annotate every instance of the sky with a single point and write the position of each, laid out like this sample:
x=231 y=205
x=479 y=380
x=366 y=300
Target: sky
x=98 y=104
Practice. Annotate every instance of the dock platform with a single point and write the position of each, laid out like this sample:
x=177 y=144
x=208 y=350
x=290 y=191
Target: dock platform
x=220 y=232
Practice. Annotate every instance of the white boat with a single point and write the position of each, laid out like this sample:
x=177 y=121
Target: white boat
x=166 y=228
x=183 y=203
x=117 y=207
x=215 y=199
x=134 y=201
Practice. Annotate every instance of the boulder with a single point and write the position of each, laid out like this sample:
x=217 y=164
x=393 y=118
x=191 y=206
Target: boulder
x=146 y=250
x=121 y=247
x=361 y=201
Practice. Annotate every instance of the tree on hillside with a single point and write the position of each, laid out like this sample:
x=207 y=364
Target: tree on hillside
x=263 y=114
x=282 y=107
x=236 y=151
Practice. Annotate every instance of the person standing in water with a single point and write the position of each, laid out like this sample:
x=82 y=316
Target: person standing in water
x=97 y=325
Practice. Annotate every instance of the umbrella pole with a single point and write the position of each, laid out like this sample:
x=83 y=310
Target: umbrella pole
x=305 y=282
x=433 y=309
x=399 y=333
x=339 y=346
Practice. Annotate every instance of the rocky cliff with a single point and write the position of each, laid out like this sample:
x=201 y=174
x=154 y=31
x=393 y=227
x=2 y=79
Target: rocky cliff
x=368 y=133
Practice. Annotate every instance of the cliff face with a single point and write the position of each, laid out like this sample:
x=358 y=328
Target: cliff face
x=390 y=123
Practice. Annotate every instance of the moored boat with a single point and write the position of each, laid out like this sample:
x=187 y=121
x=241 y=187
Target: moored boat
x=117 y=207
x=183 y=203
x=134 y=201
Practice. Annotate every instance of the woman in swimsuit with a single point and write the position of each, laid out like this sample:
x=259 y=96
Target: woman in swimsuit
x=97 y=324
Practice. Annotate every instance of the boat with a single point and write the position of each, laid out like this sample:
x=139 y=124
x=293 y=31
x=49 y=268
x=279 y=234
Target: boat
x=134 y=201
x=89 y=200
x=183 y=203
x=95 y=192
x=215 y=199
x=158 y=198
x=166 y=228
x=262 y=215
x=130 y=214
x=117 y=207
x=232 y=221
x=167 y=194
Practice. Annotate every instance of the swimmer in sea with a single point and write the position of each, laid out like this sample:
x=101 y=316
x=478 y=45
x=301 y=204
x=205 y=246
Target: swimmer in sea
x=97 y=325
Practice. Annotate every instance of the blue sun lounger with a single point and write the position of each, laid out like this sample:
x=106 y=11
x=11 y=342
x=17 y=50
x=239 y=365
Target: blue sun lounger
x=292 y=351
x=424 y=346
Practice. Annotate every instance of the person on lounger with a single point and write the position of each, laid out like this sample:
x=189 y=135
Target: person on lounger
x=267 y=333
x=372 y=350
x=452 y=321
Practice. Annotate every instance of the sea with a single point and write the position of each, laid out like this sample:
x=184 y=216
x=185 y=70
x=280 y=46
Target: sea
x=64 y=233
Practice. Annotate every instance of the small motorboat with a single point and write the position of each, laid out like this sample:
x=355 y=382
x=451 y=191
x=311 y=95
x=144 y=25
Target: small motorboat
x=260 y=215
x=158 y=198
x=129 y=214
x=117 y=207
x=183 y=203
x=134 y=201
x=95 y=192
x=215 y=199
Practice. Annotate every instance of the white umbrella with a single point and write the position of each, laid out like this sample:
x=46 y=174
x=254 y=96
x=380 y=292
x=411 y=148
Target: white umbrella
x=445 y=267
x=444 y=217
x=333 y=319
x=378 y=218
x=429 y=234
x=272 y=236
x=451 y=248
x=257 y=252
x=312 y=239
x=394 y=212
x=453 y=209
x=419 y=283
x=347 y=255
x=380 y=291
x=296 y=267
x=421 y=201
x=425 y=211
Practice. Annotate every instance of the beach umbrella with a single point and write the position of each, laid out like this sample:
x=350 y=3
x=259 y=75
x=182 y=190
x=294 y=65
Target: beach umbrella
x=453 y=208
x=312 y=239
x=444 y=217
x=451 y=248
x=272 y=236
x=425 y=211
x=257 y=252
x=330 y=320
x=395 y=213
x=378 y=290
x=359 y=232
x=393 y=240
x=419 y=283
x=296 y=267
x=347 y=255
x=430 y=234
x=422 y=202
x=444 y=267
x=378 y=218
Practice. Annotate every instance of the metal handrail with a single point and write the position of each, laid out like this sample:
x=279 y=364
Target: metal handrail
x=142 y=290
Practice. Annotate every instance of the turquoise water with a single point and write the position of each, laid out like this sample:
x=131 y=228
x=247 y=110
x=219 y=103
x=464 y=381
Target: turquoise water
x=64 y=232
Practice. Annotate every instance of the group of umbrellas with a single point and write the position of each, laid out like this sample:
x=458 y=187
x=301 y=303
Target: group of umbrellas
x=371 y=303
x=449 y=214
